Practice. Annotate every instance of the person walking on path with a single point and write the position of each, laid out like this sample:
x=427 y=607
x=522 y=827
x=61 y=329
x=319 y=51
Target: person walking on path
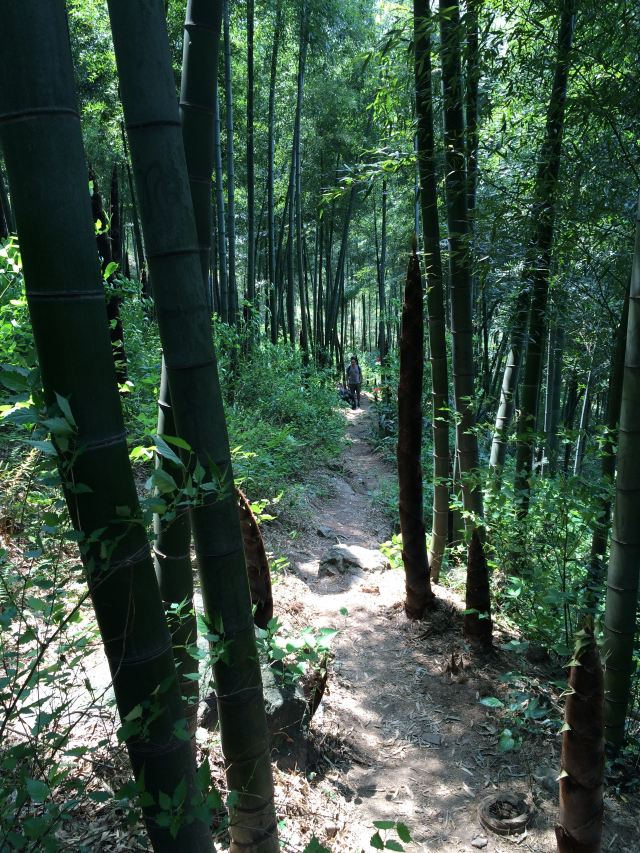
x=354 y=380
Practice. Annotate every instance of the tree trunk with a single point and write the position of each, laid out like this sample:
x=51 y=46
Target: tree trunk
x=584 y=423
x=496 y=368
x=329 y=280
x=509 y=387
x=539 y=264
x=571 y=400
x=472 y=80
x=336 y=300
x=290 y=293
x=552 y=398
x=419 y=596
x=484 y=344
x=114 y=299
x=251 y=236
x=303 y=257
x=172 y=560
x=282 y=258
x=172 y=547
x=600 y=538
x=382 y=271
x=471 y=84
x=231 y=195
x=141 y=43
x=7 y=224
x=551 y=374
x=302 y=60
x=459 y=255
x=271 y=215
x=214 y=295
x=48 y=176
x=198 y=90
x=145 y=289
x=223 y=280
x=477 y=620
x=319 y=312
x=435 y=301
x=363 y=309
x=623 y=576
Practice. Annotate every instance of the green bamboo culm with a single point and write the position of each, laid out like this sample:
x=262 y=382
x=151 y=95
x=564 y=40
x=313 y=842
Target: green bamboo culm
x=173 y=538
x=538 y=261
x=157 y=151
x=459 y=258
x=201 y=50
x=42 y=143
x=418 y=595
x=172 y=561
x=624 y=560
x=435 y=295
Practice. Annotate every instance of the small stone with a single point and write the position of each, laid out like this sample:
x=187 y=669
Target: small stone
x=547 y=778
x=479 y=842
x=325 y=532
x=351 y=559
x=432 y=738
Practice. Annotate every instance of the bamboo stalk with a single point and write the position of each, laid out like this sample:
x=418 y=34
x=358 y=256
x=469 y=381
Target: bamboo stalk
x=42 y=142
x=419 y=597
x=154 y=130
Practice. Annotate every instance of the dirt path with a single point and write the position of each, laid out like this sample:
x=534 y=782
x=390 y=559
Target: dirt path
x=401 y=734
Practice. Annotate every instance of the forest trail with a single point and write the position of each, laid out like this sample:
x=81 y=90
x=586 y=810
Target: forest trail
x=400 y=734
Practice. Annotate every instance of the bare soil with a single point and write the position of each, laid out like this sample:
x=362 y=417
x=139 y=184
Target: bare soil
x=401 y=734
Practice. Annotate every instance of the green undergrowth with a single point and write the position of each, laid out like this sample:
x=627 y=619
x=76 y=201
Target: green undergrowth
x=539 y=563
x=280 y=412
x=293 y=655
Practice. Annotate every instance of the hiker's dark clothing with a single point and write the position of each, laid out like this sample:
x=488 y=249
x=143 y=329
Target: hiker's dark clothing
x=354 y=380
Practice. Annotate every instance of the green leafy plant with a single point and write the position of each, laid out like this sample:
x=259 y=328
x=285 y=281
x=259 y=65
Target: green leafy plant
x=392 y=550
x=539 y=577
x=314 y=846
x=389 y=835
x=527 y=710
x=388 y=828
x=294 y=655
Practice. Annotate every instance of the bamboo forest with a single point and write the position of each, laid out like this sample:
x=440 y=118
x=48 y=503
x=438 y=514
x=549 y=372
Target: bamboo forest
x=319 y=426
